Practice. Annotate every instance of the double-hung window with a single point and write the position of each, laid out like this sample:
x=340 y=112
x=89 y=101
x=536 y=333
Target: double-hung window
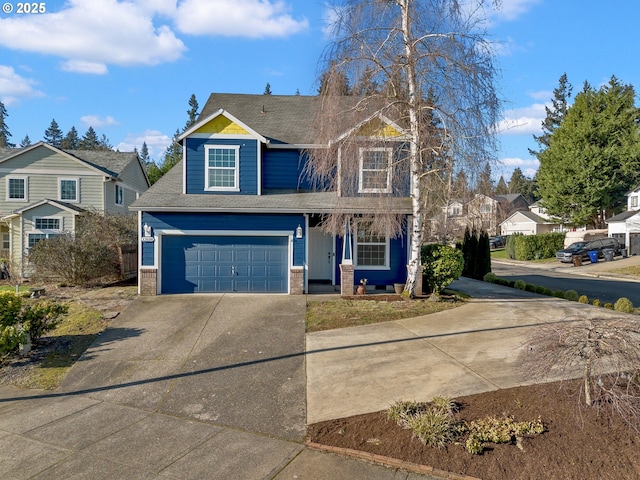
x=371 y=249
x=47 y=223
x=17 y=189
x=375 y=170
x=222 y=168
x=44 y=227
x=634 y=201
x=68 y=189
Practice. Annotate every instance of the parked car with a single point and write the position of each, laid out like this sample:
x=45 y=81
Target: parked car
x=583 y=249
x=498 y=241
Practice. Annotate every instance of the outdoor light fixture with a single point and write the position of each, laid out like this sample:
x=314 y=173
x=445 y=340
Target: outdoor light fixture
x=299 y=232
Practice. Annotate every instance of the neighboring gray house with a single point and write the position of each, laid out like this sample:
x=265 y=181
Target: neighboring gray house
x=625 y=226
x=43 y=189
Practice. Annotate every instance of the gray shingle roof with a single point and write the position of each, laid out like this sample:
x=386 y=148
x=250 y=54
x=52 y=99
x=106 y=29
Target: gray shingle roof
x=280 y=118
x=621 y=217
x=166 y=195
x=110 y=162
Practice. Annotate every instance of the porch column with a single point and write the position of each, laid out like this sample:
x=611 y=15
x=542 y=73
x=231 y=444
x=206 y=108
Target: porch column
x=148 y=282
x=346 y=280
x=296 y=280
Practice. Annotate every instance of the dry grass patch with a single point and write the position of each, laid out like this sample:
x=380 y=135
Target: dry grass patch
x=327 y=315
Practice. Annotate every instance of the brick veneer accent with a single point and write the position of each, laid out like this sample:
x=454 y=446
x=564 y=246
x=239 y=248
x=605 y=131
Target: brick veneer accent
x=148 y=282
x=346 y=280
x=296 y=281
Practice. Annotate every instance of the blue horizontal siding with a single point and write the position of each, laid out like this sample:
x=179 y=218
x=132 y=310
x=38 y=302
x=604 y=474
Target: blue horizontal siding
x=195 y=165
x=225 y=222
x=283 y=169
x=397 y=273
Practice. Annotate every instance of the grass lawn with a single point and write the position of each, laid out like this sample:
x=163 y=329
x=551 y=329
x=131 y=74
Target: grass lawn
x=327 y=315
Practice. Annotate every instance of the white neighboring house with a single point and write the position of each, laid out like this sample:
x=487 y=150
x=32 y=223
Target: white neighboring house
x=526 y=223
x=626 y=225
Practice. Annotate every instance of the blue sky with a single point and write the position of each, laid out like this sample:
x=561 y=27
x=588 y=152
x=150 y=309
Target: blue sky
x=128 y=68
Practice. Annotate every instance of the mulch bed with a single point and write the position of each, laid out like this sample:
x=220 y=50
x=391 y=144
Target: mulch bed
x=577 y=443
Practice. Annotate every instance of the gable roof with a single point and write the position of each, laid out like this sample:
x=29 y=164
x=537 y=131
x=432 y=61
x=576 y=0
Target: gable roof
x=107 y=162
x=74 y=209
x=621 y=217
x=281 y=119
x=529 y=216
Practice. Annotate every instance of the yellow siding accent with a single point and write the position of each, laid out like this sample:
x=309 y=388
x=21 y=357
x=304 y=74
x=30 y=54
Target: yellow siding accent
x=222 y=124
x=378 y=128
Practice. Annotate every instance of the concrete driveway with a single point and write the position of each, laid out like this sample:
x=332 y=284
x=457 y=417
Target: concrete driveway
x=230 y=360
x=470 y=349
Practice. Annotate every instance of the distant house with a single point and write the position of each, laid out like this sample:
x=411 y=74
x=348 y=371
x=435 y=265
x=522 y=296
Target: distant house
x=43 y=189
x=625 y=226
x=526 y=223
x=488 y=213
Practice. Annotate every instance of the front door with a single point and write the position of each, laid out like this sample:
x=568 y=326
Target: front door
x=320 y=255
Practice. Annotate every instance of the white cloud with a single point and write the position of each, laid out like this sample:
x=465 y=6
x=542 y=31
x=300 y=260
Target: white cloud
x=157 y=143
x=80 y=66
x=522 y=121
x=91 y=34
x=237 y=18
x=14 y=86
x=528 y=166
x=96 y=121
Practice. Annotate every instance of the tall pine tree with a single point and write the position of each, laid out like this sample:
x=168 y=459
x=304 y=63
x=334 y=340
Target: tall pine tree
x=53 y=134
x=71 y=140
x=4 y=129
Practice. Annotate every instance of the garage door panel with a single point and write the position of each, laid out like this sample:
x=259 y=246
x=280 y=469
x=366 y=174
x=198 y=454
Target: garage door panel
x=224 y=264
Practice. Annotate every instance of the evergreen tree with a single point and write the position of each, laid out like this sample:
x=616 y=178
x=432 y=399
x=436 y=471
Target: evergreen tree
x=366 y=84
x=4 y=129
x=501 y=187
x=297 y=92
x=104 y=143
x=484 y=185
x=53 y=134
x=334 y=82
x=144 y=153
x=483 y=256
x=25 y=142
x=172 y=155
x=555 y=114
x=90 y=140
x=526 y=187
x=71 y=141
x=192 y=113
x=593 y=157
x=267 y=89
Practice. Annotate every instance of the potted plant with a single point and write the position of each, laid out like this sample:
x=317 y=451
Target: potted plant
x=362 y=288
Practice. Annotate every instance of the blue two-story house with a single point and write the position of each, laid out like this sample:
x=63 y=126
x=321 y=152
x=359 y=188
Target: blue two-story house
x=238 y=213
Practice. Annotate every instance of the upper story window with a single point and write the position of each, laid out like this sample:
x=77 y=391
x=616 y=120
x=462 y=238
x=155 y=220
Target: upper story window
x=485 y=208
x=46 y=223
x=69 y=189
x=119 y=195
x=371 y=249
x=634 y=201
x=375 y=170
x=17 y=188
x=221 y=168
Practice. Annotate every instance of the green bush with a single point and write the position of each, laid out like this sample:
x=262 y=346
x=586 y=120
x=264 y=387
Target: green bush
x=530 y=288
x=571 y=295
x=547 y=291
x=535 y=247
x=624 y=305
x=520 y=284
x=510 y=245
x=19 y=317
x=558 y=294
x=583 y=299
x=608 y=305
x=442 y=265
x=490 y=278
x=596 y=302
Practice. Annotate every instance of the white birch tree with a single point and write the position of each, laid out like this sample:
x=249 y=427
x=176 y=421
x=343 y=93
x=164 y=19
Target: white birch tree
x=436 y=74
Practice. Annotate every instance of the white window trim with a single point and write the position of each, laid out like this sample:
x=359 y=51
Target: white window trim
x=387 y=251
x=26 y=189
x=48 y=230
x=389 y=152
x=207 y=169
x=6 y=236
x=77 y=181
x=120 y=189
